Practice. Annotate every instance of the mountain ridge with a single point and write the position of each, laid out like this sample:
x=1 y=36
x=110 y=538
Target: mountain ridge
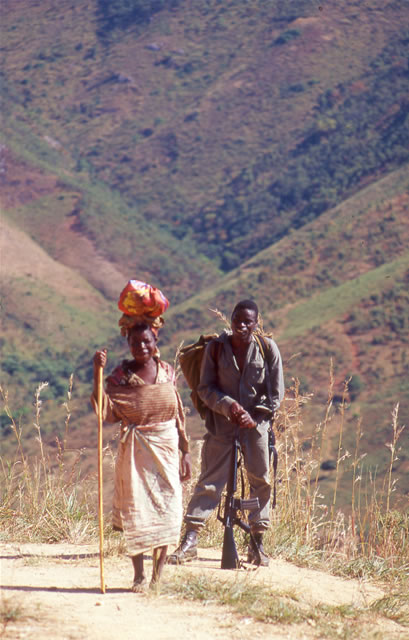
x=217 y=151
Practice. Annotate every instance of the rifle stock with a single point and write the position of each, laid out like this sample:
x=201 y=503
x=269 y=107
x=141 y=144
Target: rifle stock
x=230 y=557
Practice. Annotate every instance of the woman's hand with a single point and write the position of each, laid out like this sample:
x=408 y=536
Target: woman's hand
x=100 y=359
x=185 y=467
x=241 y=417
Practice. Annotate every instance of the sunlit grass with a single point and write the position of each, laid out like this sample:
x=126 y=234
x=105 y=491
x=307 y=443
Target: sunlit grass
x=327 y=305
x=44 y=500
x=261 y=603
x=246 y=598
x=49 y=501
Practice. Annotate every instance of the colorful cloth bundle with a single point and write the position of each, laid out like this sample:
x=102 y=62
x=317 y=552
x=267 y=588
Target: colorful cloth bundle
x=141 y=299
x=140 y=302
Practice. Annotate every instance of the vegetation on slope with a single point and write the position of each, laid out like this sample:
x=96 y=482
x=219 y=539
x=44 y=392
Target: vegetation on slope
x=334 y=290
x=358 y=132
x=224 y=147
x=143 y=135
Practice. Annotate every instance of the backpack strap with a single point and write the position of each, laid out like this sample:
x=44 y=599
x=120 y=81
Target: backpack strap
x=218 y=351
x=216 y=356
x=266 y=353
x=217 y=348
x=261 y=344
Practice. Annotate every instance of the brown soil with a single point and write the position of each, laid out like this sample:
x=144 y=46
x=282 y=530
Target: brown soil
x=69 y=272
x=57 y=588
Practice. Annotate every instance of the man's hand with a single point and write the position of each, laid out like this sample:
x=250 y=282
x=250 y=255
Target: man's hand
x=185 y=467
x=241 y=417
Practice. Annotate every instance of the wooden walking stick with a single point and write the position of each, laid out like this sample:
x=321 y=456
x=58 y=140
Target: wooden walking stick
x=100 y=494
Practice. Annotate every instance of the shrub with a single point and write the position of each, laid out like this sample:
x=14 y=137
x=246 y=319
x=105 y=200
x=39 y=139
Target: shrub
x=287 y=36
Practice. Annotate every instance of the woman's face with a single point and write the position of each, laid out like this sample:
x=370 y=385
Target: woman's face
x=142 y=345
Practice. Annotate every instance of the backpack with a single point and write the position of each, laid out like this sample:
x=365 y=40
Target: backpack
x=190 y=360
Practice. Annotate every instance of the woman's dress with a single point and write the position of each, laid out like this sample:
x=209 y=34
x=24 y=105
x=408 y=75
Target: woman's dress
x=147 y=503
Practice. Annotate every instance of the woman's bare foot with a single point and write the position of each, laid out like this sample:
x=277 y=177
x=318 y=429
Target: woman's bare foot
x=139 y=579
x=139 y=585
x=159 y=558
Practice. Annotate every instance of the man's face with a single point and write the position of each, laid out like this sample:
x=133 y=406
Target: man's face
x=243 y=323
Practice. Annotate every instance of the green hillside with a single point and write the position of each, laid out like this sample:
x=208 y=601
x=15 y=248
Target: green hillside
x=336 y=290
x=216 y=122
x=218 y=150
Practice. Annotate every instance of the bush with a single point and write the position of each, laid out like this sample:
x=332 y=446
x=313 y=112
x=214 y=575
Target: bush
x=287 y=36
x=122 y=14
x=355 y=386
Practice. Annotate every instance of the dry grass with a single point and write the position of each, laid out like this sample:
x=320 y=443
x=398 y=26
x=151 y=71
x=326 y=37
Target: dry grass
x=259 y=602
x=368 y=539
x=247 y=599
x=10 y=612
x=46 y=500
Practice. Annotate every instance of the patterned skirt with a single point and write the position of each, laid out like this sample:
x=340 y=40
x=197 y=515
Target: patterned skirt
x=147 y=502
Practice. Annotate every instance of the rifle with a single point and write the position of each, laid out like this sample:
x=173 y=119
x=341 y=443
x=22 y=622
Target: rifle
x=230 y=558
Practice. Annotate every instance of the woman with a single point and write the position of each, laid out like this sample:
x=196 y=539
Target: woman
x=141 y=393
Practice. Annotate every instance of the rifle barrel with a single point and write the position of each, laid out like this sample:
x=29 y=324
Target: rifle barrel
x=230 y=558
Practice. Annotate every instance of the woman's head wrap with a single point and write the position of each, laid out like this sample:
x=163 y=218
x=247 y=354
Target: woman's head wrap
x=127 y=323
x=141 y=303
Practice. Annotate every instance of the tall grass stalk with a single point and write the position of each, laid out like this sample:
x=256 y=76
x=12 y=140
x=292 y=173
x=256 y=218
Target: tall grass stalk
x=367 y=537
x=355 y=477
x=43 y=501
x=49 y=501
x=393 y=457
x=327 y=419
x=340 y=457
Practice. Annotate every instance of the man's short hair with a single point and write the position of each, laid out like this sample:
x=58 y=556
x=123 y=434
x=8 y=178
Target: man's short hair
x=246 y=304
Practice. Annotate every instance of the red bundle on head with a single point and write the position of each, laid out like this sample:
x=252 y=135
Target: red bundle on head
x=141 y=303
x=141 y=299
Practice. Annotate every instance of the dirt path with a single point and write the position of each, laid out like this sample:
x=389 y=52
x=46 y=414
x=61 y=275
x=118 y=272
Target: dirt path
x=57 y=589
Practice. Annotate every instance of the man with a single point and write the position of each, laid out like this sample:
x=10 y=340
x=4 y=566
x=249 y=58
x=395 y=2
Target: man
x=233 y=385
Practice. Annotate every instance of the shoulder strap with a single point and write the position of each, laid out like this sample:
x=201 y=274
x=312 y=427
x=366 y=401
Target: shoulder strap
x=264 y=348
x=266 y=353
x=217 y=351
x=261 y=344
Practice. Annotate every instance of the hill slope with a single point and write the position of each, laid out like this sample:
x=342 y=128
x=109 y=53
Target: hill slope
x=219 y=151
x=335 y=290
x=218 y=123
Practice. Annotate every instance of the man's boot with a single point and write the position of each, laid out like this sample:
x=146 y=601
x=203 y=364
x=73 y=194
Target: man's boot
x=258 y=556
x=186 y=551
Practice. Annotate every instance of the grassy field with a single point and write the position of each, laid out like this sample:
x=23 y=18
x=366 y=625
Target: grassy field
x=48 y=498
